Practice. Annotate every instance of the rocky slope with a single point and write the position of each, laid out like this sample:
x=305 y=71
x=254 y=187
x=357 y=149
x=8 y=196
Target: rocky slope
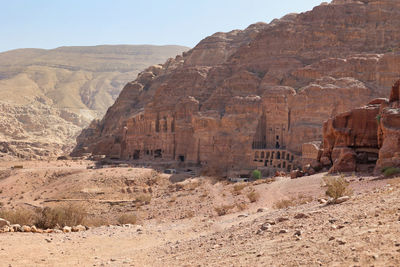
x=251 y=98
x=180 y=225
x=48 y=96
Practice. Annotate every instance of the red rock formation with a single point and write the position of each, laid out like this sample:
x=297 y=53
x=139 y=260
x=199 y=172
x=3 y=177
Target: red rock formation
x=266 y=89
x=353 y=140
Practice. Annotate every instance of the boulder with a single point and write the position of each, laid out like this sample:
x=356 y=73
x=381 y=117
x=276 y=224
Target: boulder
x=296 y=174
x=345 y=160
x=67 y=229
x=3 y=223
x=25 y=229
x=78 y=228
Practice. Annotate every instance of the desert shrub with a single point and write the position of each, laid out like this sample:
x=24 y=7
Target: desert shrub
x=152 y=178
x=237 y=188
x=389 y=171
x=127 y=219
x=144 y=198
x=292 y=202
x=64 y=215
x=94 y=221
x=253 y=196
x=19 y=216
x=336 y=187
x=241 y=206
x=284 y=203
x=224 y=209
x=256 y=174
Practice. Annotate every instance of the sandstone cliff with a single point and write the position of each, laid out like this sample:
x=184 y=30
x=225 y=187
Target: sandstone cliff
x=251 y=98
x=48 y=96
x=364 y=138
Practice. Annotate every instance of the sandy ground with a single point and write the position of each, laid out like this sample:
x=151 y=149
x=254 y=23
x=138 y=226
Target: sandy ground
x=180 y=227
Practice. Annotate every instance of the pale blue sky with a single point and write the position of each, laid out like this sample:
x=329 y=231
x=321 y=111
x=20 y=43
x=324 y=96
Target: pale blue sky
x=54 y=23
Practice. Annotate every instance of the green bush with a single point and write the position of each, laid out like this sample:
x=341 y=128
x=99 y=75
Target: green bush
x=336 y=187
x=389 y=171
x=256 y=174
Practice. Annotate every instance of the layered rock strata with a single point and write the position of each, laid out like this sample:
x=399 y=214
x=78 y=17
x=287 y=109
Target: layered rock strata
x=239 y=97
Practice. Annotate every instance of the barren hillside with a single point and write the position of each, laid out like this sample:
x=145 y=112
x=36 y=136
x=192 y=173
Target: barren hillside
x=48 y=96
x=200 y=221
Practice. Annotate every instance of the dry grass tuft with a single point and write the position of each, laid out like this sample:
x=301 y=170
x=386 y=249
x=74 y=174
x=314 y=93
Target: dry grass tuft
x=253 y=196
x=65 y=215
x=224 y=209
x=144 y=198
x=237 y=188
x=127 y=219
x=19 y=216
x=336 y=187
x=292 y=202
x=241 y=206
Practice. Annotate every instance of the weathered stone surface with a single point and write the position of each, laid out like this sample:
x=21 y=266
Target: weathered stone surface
x=3 y=223
x=364 y=136
x=243 y=99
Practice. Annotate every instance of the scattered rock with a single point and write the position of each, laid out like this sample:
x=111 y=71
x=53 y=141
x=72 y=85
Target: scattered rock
x=67 y=229
x=282 y=219
x=342 y=199
x=262 y=210
x=298 y=232
x=3 y=223
x=265 y=226
x=78 y=228
x=283 y=231
x=271 y=222
x=15 y=227
x=322 y=200
x=301 y=216
x=243 y=215
x=341 y=242
x=26 y=229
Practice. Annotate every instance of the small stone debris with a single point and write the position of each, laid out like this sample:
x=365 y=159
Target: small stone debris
x=78 y=228
x=271 y=222
x=259 y=210
x=282 y=219
x=297 y=232
x=243 y=215
x=301 y=216
x=341 y=242
x=265 y=226
x=333 y=220
x=332 y=238
x=48 y=240
x=322 y=200
x=283 y=231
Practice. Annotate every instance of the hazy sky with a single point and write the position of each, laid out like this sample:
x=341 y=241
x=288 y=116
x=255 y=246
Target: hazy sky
x=53 y=23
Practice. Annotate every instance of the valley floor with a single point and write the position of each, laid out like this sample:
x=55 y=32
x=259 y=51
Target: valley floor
x=364 y=231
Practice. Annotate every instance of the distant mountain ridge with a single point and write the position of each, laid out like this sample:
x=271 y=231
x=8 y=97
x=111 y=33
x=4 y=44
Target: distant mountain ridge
x=72 y=84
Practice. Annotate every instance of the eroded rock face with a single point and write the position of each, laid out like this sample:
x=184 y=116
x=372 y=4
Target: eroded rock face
x=356 y=140
x=260 y=91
